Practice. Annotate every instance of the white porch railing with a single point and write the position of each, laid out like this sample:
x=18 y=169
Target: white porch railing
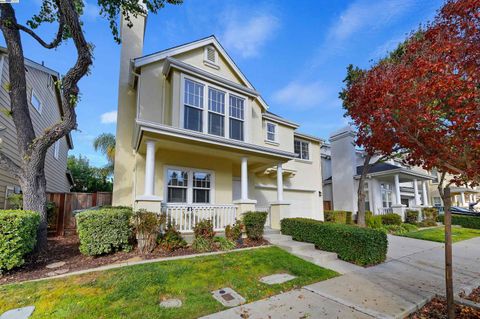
x=265 y=209
x=185 y=217
x=385 y=210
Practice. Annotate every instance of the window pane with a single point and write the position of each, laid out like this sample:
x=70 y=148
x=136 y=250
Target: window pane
x=201 y=180
x=216 y=123
x=216 y=101
x=177 y=178
x=236 y=107
x=271 y=131
x=297 y=147
x=193 y=95
x=193 y=119
x=177 y=195
x=201 y=196
x=236 y=129
x=35 y=102
x=305 y=154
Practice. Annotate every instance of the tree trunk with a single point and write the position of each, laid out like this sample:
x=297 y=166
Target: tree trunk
x=447 y=203
x=361 y=192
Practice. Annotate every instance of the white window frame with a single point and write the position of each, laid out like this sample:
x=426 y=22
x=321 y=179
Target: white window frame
x=7 y=189
x=388 y=190
x=34 y=94
x=190 y=171
x=225 y=105
x=228 y=92
x=309 y=159
x=56 y=149
x=275 y=132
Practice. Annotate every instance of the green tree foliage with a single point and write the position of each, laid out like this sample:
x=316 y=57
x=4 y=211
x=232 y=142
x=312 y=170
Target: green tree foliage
x=88 y=178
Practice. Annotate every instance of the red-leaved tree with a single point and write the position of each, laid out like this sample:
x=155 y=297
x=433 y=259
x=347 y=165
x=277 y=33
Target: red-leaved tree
x=429 y=99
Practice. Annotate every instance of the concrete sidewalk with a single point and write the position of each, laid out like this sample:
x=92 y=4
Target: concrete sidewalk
x=413 y=273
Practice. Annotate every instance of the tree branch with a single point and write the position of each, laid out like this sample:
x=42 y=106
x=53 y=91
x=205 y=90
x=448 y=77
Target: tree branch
x=55 y=42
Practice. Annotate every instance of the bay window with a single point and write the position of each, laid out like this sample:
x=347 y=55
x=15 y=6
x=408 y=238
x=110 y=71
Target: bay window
x=236 y=117
x=189 y=186
x=216 y=112
x=193 y=100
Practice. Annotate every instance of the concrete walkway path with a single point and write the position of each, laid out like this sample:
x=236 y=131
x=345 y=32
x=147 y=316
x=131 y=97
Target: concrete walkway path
x=412 y=274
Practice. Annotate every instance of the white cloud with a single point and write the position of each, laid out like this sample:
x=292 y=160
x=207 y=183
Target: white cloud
x=305 y=95
x=109 y=117
x=247 y=37
x=91 y=10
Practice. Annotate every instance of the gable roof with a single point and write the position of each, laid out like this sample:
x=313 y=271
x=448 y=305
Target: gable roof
x=210 y=40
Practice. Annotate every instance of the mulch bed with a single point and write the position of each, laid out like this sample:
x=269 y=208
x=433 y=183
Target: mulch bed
x=66 y=249
x=473 y=296
x=437 y=309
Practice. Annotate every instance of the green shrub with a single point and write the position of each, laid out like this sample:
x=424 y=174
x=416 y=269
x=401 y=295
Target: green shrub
x=202 y=244
x=430 y=213
x=411 y=216
x=254 y=223
x=391 y=219
x=172 y=239
x=234 y=232
x=464 y=221
x=362 y=246
x=223 y=243
x=427 y=223
x=204 y=229
x=374 y=222
x=399 y=229
x=104 y=230
x=147 y=228
x=18 y=236
x=338 y=216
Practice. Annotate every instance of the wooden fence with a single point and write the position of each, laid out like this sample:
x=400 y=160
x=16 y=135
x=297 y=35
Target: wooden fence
x=62 y=221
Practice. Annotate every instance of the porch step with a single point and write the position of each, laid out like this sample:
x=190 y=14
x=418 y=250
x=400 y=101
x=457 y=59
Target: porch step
x=270 y=231
x=277 y=238
x=296 y=246
x=319 y=257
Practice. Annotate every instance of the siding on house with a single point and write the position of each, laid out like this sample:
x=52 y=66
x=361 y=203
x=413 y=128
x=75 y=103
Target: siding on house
x=42 y=83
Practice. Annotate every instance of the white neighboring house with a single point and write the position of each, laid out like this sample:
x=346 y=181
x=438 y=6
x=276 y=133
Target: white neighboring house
x=390 y=186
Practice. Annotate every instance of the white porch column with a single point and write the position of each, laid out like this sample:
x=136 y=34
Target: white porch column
x=415 y=192
x=150 y=169
x=462 y=199
x=244 y=179
x=397 y=190
x=424 y=193
x=279 y=183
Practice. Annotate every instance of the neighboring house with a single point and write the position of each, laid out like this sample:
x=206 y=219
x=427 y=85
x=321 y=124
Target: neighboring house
x=390 y=186
x=462 y=196
x=195 y=139
x=45 y=110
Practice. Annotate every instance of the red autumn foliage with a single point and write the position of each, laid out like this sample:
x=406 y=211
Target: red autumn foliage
x=427 y=99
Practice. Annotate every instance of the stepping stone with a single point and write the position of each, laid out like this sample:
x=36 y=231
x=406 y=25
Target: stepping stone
x=58 y=272
x=55 y=265
x=171 y=303
x=19 y=313
x=277 y=279
x=228 y=297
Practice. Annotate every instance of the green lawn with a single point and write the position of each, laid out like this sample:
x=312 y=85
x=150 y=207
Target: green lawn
x=135 y=292
x=438 y=234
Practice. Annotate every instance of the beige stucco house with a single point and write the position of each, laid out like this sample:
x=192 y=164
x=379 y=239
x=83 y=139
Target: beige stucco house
x=195 y=139
x=45 y=110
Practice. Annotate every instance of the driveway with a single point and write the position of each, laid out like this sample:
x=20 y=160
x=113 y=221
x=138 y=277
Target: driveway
x=412 y=274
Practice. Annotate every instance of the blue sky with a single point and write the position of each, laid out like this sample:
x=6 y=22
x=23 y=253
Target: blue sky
x=294 y=52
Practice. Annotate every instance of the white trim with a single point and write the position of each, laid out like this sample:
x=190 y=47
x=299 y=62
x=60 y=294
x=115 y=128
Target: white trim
x=56 y=149
x=276 y=119
x=34 y=94
x=308 y=137
x=285 y=188
x=2 y=58
x=309 y=159
x=275 y=132
x=206 y=61
x=190 y=171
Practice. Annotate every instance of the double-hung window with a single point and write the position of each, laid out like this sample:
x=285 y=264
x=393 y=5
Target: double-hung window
x=301 y=149
x=189 y=186
x=386 y=190
x=271 y=132
x=201 y=187
x=216 y=112
x=237 y=117
x=193 y=101
x=177 y=186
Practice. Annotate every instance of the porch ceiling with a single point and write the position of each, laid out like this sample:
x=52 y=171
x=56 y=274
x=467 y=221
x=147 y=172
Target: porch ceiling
x=405 y=175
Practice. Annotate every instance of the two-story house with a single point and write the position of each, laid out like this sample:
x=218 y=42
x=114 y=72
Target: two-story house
x=195 y=139
x=45 y=110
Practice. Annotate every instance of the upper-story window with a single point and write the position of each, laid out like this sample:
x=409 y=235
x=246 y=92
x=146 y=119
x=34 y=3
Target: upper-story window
x=56 y=149
x=271 y=132
x=216 y=112
x=237 y=117
x=35 y=100
x=301 y=149
x=193 y=99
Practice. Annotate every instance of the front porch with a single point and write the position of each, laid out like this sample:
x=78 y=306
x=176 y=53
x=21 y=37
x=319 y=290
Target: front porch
x=190 y=180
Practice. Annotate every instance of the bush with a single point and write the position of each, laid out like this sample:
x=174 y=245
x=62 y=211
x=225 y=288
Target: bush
x=374 y=222
x=18 y=236
x=399 y=229
x=223 y=243
x=202 y=244
x=15 y=201
x=104 y=230
x=338 y=216
x=391 y=219
x=147 y=228
x=427 y=223
x=172 y=239
x=254 y=223
x=204 y=229
x=362 y=246
x=430 y=214
x=411 y=216
x=234 y=232
x=464 y=221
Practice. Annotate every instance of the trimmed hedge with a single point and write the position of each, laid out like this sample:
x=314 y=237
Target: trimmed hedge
x=254 y=224
x=104 y=230
x=338 y=216
x=430 y=213
x=411 y=216
x=391 y=219
x=464 y=221
x=362 y=246
x=18 y=236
